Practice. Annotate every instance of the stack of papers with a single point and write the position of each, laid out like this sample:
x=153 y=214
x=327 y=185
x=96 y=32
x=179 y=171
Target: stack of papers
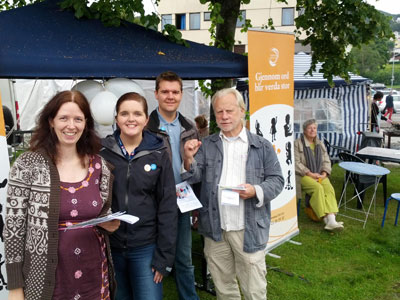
x=121 y=215
x=237 y=188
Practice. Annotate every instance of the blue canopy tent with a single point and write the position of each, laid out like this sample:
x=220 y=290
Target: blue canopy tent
x=42 y=41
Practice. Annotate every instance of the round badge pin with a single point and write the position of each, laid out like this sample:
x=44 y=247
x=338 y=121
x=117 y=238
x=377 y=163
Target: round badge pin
x=153 y=166
x=147 y=168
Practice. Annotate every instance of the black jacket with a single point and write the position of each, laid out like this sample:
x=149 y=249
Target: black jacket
x=144 y=187
x=188 y=132
x=374 y=116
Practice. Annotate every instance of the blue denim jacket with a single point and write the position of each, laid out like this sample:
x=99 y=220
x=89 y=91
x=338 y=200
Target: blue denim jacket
x=262 y=168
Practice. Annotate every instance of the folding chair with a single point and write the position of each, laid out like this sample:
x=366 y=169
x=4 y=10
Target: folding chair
x=394 y=196
x=331 y=151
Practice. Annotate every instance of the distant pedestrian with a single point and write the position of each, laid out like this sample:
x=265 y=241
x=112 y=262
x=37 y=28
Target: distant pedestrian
x=389 y=106
x=376 y=115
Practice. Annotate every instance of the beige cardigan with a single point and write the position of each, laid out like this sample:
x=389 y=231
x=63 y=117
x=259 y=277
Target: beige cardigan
x=301 y=165
x=31 y=227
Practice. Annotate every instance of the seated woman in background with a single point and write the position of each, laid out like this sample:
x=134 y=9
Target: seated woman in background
x=313 y=166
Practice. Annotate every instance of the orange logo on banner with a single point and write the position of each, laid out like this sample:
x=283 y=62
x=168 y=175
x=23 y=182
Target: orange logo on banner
x=270 y=72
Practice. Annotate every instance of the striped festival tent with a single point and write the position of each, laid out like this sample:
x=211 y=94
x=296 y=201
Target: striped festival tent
x=353 y=103
x=341 y=112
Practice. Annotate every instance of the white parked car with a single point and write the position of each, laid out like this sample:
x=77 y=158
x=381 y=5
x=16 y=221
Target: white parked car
x=396 y=103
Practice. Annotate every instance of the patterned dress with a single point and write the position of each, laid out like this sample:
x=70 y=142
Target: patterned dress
x=82 y=264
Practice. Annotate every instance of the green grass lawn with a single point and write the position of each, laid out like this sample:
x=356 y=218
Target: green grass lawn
x=357 y=264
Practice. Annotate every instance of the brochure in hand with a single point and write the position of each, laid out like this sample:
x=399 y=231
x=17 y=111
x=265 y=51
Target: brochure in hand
x=186 y=198
x=121 y=215
x=237 y=188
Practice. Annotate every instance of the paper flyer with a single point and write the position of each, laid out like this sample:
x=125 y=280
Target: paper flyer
x=121 y=215
x=186 y=198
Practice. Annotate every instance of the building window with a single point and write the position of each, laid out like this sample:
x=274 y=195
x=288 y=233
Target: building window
x=239 y=49
x=165 y=19
x=180 y=21
x=194 y=19
x=287 y=16
x=241 y=19
x=207 y=16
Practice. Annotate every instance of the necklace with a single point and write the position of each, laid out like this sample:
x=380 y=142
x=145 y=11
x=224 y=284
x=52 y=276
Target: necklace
x=85 y=183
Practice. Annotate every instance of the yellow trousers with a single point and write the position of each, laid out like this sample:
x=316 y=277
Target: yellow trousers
x=323 y=199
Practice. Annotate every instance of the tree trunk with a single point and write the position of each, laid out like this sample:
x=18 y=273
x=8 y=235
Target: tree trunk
x=225 y=32
x=225 y=39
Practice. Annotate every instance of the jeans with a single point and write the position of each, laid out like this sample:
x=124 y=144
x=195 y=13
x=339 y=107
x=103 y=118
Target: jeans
x=184 y=270
x=133 y=274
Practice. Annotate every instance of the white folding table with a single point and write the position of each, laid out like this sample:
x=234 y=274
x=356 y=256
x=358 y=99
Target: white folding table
x=360 y=168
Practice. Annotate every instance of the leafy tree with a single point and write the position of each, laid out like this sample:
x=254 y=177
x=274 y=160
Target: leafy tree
x=395 y=26
x=369 y=58
x=392 y=21
x=331 y=26
x=385 y=75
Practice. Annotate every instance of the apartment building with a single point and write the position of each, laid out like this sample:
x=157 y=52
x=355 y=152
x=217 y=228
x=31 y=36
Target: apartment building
x=193 y=19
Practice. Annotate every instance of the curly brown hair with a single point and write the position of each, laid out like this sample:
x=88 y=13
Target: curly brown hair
x=45 y=139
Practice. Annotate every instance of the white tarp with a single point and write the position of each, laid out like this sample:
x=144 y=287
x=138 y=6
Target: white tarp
x=32 y=95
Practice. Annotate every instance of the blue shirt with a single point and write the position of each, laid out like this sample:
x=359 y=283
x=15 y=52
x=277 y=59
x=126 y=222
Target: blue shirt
x=173 y=130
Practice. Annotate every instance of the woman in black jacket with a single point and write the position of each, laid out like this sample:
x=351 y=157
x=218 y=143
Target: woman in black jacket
x=144 y=186
x=376 y=115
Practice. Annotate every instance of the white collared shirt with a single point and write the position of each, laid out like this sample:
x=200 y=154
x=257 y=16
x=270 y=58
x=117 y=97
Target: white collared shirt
x=233 y=174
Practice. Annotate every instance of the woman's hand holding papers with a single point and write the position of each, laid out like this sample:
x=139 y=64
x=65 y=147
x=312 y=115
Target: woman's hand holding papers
x=110 y=226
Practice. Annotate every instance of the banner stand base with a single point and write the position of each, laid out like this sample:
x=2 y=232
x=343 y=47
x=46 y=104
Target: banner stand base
x=273 y=255
x=295 y=243
x=277 y=256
